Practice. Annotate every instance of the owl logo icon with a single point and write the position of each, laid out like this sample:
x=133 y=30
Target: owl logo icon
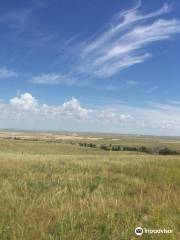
x=138 y=231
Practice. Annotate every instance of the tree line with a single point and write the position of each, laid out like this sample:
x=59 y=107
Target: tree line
x=143 y=149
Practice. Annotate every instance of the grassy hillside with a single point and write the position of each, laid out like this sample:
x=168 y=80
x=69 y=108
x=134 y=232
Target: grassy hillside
x=54 y=191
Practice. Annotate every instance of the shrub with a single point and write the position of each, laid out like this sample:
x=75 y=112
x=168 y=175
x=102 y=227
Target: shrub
x=130 y=148
x=17 y=138
x=116 y=148
x=92 y=145
x=143 y=149
x=167 y=151
x=82 y=144
x=104 y=147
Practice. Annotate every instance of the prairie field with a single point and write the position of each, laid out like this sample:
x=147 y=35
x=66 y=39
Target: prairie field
x=57 y=190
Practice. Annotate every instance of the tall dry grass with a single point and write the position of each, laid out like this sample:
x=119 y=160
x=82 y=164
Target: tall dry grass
x=54 y=191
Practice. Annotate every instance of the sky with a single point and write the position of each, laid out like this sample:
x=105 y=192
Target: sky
x=91 y=66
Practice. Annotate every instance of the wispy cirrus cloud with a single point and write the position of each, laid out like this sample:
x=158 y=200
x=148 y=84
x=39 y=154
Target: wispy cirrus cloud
x=122 y=21
x=55 y=78
x=20 y=20
x=123 y=43
x=16 y=19
x=52 y=78
x=132 y=83
x=7 y=73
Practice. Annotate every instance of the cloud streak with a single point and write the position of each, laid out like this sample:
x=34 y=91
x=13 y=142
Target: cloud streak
x=52 y=78
x=123 y=43
x=7 y=73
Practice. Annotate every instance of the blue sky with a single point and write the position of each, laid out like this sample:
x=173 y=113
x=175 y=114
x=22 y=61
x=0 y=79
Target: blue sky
x=108 y=66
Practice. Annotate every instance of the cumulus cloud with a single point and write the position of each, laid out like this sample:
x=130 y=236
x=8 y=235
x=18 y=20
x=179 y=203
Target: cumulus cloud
x=73 y=108
x=113 y=117
x=26 y=110
x=25 y=102
x=26 y=106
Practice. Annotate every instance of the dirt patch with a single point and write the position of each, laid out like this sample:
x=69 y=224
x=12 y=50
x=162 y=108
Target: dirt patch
x=44 y=136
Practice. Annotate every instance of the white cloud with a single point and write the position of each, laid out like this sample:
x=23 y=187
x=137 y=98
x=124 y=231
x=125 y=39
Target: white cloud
x=169 y=124
x=52 y=78
x=123 y=20
x=7 y=73
x=16 y=21
x=73 y=108
x=25 y=111
x=27 y=108
x=113 y=117
x=25 y=102
x=123 y=43
x=132 y=82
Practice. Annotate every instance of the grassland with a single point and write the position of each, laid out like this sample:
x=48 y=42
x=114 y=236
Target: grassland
x=60 y=191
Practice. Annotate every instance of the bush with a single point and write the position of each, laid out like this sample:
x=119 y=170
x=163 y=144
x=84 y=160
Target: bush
x=167 y=151
x=130 y=149
x=17 y=138
x=116 y=148
x=92 y=145
x=82 y=144
x=104 y=147
x=143 y=149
